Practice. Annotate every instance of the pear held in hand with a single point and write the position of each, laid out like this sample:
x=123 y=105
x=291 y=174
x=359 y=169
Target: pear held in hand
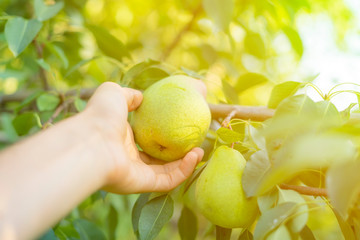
x=219 y=193
x=172 y=119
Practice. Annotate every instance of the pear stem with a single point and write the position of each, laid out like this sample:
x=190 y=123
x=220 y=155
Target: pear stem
x=305 y=190
x=226 y=123
x=227 y=120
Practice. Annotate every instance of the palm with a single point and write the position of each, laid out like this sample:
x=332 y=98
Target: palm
x=139 y=172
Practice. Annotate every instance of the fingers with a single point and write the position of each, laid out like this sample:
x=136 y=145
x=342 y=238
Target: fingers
x=200 y=87
x=199 y=152
x=197 y=84
x=174 y=173
x=112 y=92
x=133 y=98
x=150 y=160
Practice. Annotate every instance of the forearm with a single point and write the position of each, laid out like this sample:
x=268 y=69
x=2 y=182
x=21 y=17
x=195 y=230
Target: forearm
x=44 y=177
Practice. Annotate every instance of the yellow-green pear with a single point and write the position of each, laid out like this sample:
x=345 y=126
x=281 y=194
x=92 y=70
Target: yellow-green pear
x=172 y=119
x=219 y=193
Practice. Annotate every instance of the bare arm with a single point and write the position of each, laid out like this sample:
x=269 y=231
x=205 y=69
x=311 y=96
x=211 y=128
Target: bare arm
x=43 y=177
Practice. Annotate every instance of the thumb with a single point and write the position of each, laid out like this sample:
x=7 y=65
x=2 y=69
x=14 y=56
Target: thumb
x=133 y=98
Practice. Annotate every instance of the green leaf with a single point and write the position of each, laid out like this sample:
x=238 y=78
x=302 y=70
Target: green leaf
x=44 y=12
x=187 y=224
x=79 y=104
x=28 y=100
x=154 y=215
x=136 y=211
x=88 y=230
x=312 y=178
x=345 y=227
x=299 y=105
x=297 y=223
x=256 y=138
x=272 y=219
x=6 y=73
x=47 y=102
x=220 y=11
x=98 y=195
x=255 y=170
x=59 y=53
x=281 y=232
x=192 y=73
x=49 y=235
x=109 y=45
x=249 y=80
x=238 y=126
x=223 y=233
x=294 y=39
x=307 y=151
x=66 y=230
x=26 y=121
x=136 y=70
x=267 y=201
x=7 y=126
x=80 y=64
x=294 y=116
x=112 y=222
x=345 y=114
x=246 y=235
x=20 y=32
x=43 y=64
x=149 y=76
x=194 y=176
x=282 y=91
x=307 y=234
x=229 y=136
x=343 y=186
x=230 y=93
x=255 y=45
x=329 y=114
x=356 y=226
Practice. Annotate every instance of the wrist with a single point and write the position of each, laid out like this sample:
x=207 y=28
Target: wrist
x=105 y=147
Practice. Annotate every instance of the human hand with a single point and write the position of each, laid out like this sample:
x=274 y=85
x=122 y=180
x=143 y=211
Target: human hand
x=131 y=171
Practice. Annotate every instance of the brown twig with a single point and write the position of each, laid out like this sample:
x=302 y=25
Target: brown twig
x=226 y=121
x=40 y=55
x=305 y=190
x=228 y=118
x=58 y=110
x=178 y=37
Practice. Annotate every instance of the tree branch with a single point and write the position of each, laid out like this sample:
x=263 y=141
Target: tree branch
x=242 y=112
x=40 y=55
x=217 y=110
x=84 y=93
x=178 y=37
x=58 y=110
x=305 y=190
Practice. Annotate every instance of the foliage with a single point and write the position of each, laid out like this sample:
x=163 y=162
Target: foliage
x=53 y=53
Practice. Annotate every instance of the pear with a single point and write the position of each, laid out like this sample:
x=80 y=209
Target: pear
x=219 y=193
x=172 y=119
